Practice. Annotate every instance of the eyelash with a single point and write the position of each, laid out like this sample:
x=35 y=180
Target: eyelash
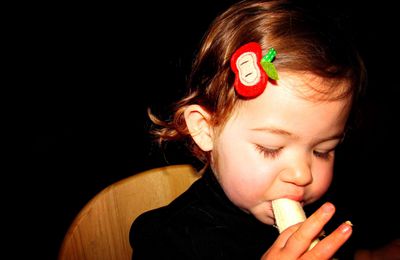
x=273 y=153
x=266 y=152
x=324 y=156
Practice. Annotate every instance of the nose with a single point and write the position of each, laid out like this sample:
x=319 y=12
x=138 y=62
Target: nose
x=298 y=173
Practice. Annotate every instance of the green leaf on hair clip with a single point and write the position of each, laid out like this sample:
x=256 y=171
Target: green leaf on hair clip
x=266 y=63
x=270 y=70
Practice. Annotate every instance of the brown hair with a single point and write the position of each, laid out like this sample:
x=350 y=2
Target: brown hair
x=305 y=42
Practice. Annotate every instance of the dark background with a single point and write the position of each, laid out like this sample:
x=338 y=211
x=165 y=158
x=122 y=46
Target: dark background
x=83 y=76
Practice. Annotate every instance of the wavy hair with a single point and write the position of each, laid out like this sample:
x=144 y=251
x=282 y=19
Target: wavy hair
x=306 y=42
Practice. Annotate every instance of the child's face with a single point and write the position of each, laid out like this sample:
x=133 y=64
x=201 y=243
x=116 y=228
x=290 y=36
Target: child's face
x=278 y=145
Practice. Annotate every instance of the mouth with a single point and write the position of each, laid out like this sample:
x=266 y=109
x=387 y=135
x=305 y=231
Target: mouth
x=298 y=198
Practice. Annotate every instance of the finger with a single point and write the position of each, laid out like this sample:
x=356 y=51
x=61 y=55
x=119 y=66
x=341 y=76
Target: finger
x=327 y=247
x=277 y=250
x=311 y=228
x=284 y=236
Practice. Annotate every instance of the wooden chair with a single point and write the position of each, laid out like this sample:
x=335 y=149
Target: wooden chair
x=101 y=228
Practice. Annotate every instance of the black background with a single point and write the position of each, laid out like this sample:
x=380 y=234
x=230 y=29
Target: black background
x=83 y=75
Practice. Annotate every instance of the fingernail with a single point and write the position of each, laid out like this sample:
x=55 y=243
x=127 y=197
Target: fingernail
x=346 y=227
x=328 y=207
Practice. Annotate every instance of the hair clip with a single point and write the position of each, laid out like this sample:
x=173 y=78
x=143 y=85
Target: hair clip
x=252 y=70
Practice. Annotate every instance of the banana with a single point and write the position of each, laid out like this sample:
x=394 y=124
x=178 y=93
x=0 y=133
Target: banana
x=287 y=213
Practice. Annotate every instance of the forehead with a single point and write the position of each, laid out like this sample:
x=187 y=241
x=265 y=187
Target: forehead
x=291 y=104
x=315 y=88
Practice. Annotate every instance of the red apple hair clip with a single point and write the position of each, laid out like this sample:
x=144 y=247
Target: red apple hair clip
x=252 y=70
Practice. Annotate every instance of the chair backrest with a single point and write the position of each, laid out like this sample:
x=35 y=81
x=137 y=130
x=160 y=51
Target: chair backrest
x=101 y=228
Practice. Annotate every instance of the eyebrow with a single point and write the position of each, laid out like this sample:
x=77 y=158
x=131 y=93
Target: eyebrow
x=283 y=132
x=273 y=130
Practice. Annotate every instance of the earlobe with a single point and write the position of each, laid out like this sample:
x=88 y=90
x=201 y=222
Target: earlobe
x=198 y=123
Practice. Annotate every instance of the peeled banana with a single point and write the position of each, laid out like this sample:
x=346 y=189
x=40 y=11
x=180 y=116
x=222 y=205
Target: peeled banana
x=287 y=213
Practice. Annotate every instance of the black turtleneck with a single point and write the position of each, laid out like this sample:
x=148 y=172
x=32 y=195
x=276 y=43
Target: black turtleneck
x=202 y=223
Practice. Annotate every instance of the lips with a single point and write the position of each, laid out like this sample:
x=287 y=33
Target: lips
x=295 y=197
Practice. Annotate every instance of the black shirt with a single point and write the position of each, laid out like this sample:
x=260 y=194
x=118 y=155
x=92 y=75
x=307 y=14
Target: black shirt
x=202 y=223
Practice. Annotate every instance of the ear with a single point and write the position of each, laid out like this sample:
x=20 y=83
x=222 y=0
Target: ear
x=198 y=123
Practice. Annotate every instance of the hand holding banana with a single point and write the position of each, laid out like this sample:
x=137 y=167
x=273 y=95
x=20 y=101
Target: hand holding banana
x=298 y=237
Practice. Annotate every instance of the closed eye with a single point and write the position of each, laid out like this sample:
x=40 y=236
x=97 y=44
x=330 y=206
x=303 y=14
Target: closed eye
x=268 y=152
x=324 y=155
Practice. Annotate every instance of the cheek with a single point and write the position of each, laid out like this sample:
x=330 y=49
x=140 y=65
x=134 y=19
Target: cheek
x=321 y=181
x=242 y=174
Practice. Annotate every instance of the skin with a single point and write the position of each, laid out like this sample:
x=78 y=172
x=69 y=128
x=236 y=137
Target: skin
x=279 y=144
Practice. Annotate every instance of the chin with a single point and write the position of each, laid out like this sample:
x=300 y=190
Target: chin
x=264 y=215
